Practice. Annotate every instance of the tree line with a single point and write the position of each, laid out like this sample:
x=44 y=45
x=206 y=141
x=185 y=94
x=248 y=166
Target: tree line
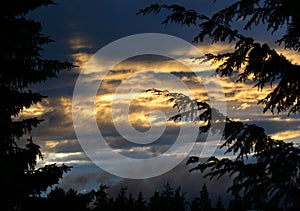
x=166 y=199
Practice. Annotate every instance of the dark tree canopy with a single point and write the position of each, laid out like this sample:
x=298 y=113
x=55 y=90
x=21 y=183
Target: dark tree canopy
x=252 y=60
x=265 y=170
x=22 y=65
x=203 y=202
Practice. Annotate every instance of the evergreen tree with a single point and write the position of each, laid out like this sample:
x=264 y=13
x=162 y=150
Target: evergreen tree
x=61 y=200
x=140 y=203
x=167 y=195
x=202 y=203
x=155 y=202
x=220 y=205
x=172 y=199
x=102 y=201
x=21 y=65
x=195 y=204
x=236 y=203
x=121 y=201
x=205 y=202
x=179 y=200
x=273 y=173
x=168 y=199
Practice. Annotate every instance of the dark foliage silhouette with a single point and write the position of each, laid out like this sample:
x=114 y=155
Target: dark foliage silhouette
x=60 y=200
x=202 y=202
x=102 y=201
x=253 y=60
x=264 y=169
x=220 y=205
x=270 y=177
x=21 y=65
x=166 y=199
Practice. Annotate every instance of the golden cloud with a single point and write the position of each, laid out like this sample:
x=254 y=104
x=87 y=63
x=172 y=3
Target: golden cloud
x=80 y=59
x=286 y=135
x=78 y=41
x=35 y=110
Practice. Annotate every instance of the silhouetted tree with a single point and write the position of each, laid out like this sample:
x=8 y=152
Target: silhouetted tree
x=155 y=202
x=220 y=205
x=131 y=201
x=167 y=196
x=168 y=199
x=21 y=65
x=236 y=203
x=202 y=203
x=205 y=202
x=273 y=175
x=179 y=199
x=102 y=201
x=61 y=200
x=121 y=201
x=267 y=179
x=140 y=203
x=194 y=204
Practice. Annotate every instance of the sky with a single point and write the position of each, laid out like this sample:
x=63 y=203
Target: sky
x=121 y=109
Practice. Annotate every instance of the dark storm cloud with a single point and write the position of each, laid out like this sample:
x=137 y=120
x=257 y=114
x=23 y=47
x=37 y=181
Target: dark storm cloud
x=120 y=71
x=160 y=145
x=86 y=177
x=272 y=126
x=61 y=86
x=148 y=59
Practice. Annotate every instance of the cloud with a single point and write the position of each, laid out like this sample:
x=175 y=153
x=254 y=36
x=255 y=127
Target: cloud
x=80 y=58
x=61 y=146
x=243 y=106
x=78 y=41
x=58 y=122
x=85 y=177
x=287 y=135
x=134 y=82
x=291 y=55
x=57 y=135
x=69 y=159
x=36 y=110
x=286 y=130
x=92 y=31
